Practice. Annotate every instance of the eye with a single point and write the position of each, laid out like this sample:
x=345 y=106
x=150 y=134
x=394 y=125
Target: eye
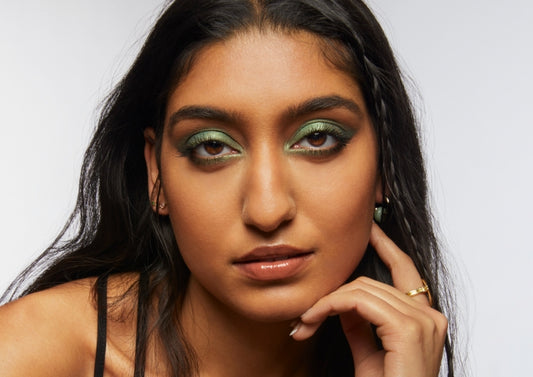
x=210 y=146
x=317 y=139
x=320 y=137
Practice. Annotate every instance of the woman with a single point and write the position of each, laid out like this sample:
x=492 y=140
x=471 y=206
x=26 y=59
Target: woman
x=224 y=223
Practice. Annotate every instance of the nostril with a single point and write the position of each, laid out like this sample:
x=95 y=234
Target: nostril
x=267 y=216
x=267 y=230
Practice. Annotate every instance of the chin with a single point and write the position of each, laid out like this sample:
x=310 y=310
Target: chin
x=278 y=306
x=274 y=316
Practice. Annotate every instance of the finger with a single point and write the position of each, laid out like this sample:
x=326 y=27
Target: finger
x=378 y=288
x=413 y=336
x=398 y=300
x=346 y=301
x=411 y=333
x=405 y=276
x=367 y=305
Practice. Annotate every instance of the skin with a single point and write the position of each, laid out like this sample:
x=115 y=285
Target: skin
x=263 y=193
x=265 y=188
x=53 y=332
x=267 y=194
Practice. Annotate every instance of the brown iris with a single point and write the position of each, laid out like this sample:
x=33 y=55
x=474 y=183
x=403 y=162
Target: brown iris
x=317 y=139
x=213 y=147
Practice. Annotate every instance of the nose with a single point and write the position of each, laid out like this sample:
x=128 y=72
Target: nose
x=267 y=199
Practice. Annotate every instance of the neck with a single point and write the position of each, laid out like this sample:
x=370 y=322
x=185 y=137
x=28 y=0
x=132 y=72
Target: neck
x=229 y=344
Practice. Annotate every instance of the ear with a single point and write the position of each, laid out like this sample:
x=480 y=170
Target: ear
x=155 y=191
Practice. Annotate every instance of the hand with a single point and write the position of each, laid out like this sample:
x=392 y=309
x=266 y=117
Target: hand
x=412 y=333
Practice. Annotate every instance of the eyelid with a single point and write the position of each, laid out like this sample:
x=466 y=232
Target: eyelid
x=194 y=140
x=342 y=133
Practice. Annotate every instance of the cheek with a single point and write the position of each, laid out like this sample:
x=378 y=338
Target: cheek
x=202 y=212
x=341 y=214
x=346 y=231
x=340 y=199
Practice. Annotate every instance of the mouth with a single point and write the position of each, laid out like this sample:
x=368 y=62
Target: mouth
x=271 y=258
x=273 y=262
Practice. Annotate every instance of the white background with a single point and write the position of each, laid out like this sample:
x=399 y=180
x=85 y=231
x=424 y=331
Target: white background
x=471 y=67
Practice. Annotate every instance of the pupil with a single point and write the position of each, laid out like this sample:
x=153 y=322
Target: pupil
x=213 y=147
x=316 y=139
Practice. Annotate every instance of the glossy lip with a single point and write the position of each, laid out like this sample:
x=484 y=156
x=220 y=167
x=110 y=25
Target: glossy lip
x=270 y=263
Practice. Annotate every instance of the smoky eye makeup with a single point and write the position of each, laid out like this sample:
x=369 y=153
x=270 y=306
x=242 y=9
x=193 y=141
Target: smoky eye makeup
x=208 y=147
x=315 y=138
x=319 y=138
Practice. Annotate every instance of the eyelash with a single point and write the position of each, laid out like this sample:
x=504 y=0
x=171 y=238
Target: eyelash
x=333 y=132
x=320 y=127
x=190 y=147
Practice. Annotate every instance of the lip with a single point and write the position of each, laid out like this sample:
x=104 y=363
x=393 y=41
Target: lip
x=270 y=263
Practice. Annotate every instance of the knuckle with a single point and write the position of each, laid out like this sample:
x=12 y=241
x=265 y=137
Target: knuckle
x=323 y=302
x=438 y=324
x=363 y=279
x=441 y=324
x=430 y=325
x=412 y=327
x=329 y=306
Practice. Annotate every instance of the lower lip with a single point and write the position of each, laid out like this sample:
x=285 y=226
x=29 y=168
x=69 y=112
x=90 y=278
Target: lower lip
x=274 y=270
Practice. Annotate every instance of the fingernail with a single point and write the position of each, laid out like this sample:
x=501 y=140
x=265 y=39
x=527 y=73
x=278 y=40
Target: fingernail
x=295 y=328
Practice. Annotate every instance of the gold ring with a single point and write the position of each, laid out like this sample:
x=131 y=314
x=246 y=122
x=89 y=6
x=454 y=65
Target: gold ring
x=423 y=289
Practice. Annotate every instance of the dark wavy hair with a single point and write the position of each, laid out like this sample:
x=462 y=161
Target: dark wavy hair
x=113 y=228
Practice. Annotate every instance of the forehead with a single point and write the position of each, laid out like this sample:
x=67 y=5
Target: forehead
x=264 y=69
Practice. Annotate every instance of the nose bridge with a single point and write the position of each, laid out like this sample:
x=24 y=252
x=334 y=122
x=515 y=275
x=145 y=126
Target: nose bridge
x=267 y=190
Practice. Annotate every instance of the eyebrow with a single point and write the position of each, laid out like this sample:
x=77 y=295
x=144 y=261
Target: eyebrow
x=324 y=103
x=202 y=112
x=293 y=112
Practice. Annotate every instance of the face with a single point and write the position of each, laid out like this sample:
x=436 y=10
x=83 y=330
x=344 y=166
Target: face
x=269 y=171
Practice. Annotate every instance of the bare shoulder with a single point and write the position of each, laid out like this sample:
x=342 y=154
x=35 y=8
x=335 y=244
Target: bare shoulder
x=50 y=333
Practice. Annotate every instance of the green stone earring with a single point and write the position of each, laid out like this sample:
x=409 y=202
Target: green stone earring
x=381 y=210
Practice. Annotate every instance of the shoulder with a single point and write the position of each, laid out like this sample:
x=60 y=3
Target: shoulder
x=49 y=332
x=53 y=332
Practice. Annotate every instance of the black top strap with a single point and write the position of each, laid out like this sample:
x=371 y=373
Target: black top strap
x=99 y=360
x=142 y=322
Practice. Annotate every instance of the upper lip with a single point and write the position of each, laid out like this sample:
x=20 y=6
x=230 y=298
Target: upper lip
x=263 y=253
